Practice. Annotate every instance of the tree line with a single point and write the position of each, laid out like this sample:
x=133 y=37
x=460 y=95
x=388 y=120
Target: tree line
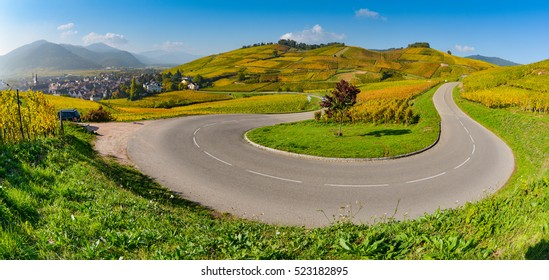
x=295 y=44
x=303 y=46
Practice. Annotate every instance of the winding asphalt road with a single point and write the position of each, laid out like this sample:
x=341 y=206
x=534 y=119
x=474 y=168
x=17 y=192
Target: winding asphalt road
x=205 y=159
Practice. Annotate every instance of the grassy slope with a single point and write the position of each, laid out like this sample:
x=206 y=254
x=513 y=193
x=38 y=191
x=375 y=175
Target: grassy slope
x=59 y=200
x=524 y=86
x=520 y=210
x=167 y=99
x=359 y=140
x=320 y=68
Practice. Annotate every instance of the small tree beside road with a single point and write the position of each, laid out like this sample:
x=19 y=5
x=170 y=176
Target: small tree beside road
x=343 y=97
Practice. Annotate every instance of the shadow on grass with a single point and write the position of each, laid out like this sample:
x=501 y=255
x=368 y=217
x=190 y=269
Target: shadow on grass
x=127 y=177
x=540 y=251
x=143 y=185
x=388 y=132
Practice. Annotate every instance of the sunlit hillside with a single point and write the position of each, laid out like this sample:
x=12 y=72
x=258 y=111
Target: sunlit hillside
x=524 y=86
x=281 y=68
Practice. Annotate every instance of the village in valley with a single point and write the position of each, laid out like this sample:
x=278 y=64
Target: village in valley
x=108 y=85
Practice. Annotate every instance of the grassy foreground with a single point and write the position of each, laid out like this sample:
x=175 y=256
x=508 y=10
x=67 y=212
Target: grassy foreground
x=59 y=200
x=359 y=140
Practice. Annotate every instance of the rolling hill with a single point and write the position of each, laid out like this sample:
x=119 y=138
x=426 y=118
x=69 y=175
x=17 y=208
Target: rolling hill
x=42 y=55
x=165 y=58
x=277 y=67
x=494 y=60
x=106 y=56
x=45 y=56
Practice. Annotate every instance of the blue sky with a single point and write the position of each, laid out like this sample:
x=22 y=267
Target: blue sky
x=514 y=30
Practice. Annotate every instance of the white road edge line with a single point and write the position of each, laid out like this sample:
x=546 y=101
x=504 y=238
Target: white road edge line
x=195 y=143
x=274 y=177
x=356 y=186
x=208 y=125
x=424 y=179
x=220 y=160
x=462 y=163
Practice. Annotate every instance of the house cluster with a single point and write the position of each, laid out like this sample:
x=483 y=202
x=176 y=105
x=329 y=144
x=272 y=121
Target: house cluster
x=92 y=88
x=152 y=87
x=97 y=87
x=188 y=82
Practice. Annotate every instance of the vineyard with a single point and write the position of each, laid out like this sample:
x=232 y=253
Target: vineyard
x=389 y=102
x=168 y=99
x=25 y=117
x=279 y=67
x=394 y=90
x=525 y=87
x=147 y=108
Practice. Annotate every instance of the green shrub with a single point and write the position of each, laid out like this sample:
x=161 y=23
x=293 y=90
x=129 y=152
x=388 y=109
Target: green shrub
x=318 y=115
x=99 y=115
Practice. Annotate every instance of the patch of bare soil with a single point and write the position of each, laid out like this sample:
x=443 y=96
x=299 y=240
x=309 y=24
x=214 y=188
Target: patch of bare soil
x=112 y=139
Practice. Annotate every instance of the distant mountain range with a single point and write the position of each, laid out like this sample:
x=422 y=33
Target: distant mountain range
x=165 y=58
x=494 y=60
x=46 y=56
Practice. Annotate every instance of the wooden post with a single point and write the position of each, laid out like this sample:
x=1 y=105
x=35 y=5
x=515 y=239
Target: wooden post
x=20 y=117
x=62 y=130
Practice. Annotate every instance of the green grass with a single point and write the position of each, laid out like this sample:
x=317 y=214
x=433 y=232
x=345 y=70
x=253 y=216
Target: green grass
x=359 y=140
x=167 y=99
x=524 y=132
x=256 y=104
x=60 y=200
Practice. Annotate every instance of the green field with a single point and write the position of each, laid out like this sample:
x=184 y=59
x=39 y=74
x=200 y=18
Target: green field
x=167 y=99
x=359 y=140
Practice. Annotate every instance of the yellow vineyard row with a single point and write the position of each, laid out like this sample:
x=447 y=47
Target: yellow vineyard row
x=525 y=87
x=397 y=90
x=30 y=117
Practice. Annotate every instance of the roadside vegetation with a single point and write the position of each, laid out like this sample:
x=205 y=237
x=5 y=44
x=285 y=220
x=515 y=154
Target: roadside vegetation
x=524 y=87
x=25 y=116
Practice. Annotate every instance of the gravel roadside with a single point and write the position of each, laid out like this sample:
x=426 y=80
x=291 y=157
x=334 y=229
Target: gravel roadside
x=112 y=139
